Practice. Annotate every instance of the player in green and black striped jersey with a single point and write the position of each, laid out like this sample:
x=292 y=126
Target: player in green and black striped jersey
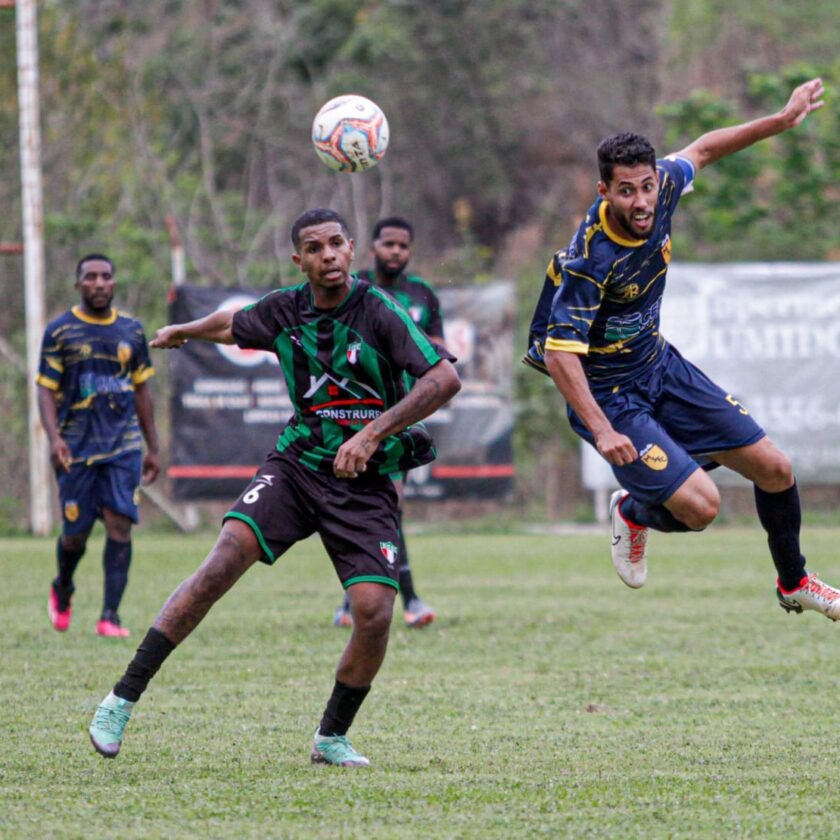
x=344 y=348
x=391 y=252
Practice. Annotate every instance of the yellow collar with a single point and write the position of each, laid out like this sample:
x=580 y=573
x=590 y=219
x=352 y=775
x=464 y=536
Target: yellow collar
x=611 y=232
x=80 y=314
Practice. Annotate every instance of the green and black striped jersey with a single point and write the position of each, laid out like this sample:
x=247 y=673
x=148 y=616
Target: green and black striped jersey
x=343 y=368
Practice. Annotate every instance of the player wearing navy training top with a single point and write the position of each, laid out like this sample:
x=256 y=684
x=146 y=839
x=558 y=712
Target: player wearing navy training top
x=651 y=414
x=344 y=347
x=96 y=408
x=391 y=251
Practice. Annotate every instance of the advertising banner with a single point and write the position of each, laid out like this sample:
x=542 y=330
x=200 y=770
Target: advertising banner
x=769 y=334
x=229 y=405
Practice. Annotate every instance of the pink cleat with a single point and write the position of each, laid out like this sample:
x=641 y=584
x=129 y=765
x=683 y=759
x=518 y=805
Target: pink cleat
x=109 y=626
x=59 y=618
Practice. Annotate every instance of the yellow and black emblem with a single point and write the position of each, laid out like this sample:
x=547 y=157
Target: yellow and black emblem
x=655 y=458
x=71 y=511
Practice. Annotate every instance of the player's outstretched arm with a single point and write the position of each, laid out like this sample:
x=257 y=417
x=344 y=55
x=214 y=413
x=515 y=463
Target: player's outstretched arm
x=431 y=390
x=567 y=372
x=717 y=144
x=216 y=327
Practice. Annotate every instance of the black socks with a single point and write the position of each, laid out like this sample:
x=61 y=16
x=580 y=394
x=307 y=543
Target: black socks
x=657 y=517
x=341 y=709
x=780 y=515
x=116 y=558
x=150 y=656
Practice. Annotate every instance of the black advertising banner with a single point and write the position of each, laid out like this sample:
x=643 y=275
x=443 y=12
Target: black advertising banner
x=228 y=405
x=474 y=433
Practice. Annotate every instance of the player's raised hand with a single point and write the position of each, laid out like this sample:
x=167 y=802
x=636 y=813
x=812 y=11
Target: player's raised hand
x=804 y=99
x=168 y=337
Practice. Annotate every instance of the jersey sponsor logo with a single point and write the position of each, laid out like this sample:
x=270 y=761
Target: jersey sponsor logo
x=355 y=389
x=71 y=511
x=389 y=552
x=623 y=329
x=91 y=384
x=353 y=351
x=629 y=292
x=654 y=457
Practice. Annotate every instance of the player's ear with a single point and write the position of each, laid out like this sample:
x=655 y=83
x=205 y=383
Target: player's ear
x=602 y=189
x=296 y=259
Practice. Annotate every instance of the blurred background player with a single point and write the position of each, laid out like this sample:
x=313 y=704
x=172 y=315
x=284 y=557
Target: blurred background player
x=97 y=409
x=348 y=340
x=391 y=251
x=656 y=418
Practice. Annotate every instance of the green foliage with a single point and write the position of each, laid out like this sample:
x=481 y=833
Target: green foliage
x=768 y=202
x=548 y=700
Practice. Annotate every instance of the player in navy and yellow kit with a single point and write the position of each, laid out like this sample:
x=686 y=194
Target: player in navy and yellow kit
x=391 y=251
x=650 y=413
x=96 y=408
x=344 y=348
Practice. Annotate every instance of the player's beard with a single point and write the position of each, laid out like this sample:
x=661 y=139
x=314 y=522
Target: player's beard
x=389 y=272
x=101 y=305
x=630 y=228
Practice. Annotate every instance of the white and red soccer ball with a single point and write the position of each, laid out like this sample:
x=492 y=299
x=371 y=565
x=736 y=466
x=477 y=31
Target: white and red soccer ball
x=350 y=133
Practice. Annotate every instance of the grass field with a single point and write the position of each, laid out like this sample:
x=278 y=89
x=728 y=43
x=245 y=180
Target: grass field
x=548 y=700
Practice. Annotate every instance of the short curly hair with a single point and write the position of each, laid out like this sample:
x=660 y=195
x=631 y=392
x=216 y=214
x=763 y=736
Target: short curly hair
x=625 y=149
x=318 y=216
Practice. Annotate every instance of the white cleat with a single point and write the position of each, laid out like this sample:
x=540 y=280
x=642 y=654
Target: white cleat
x=814 y=595
x=629 y=545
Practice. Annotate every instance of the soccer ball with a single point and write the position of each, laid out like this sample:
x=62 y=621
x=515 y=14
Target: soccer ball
x=350 y=133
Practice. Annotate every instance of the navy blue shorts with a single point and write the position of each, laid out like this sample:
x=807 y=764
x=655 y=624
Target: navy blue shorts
x=86 y=489
x=676 y=417
x=356 y=519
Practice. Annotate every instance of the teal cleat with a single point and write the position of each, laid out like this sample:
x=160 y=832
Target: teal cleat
x=108 y=725
x=336 y=750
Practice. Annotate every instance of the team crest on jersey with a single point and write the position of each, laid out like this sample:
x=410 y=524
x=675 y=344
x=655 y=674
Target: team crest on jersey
x=416 y=313
x=654 y=457
x=666 y=250
x=123 y=352
x=389 y=552
x=353 y=351
x=71 y=511
x=136 y=496
x=85 y=351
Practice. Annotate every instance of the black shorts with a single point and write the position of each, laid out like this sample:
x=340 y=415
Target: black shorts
x=356 y=519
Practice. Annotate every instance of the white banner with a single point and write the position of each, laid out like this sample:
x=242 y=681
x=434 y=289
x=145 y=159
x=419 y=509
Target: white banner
x=769 y=334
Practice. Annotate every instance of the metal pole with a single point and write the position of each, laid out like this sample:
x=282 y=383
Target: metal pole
x=40 y=514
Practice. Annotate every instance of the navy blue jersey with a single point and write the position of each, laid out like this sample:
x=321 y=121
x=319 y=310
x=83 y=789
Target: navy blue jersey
x=601 y=297
x=418 y=298
x=343 y=368
x=93 y=367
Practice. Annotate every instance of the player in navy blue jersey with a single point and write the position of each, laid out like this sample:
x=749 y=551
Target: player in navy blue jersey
x=344 y=348
x=96 y=408
x=656 y=418
x=391 y=251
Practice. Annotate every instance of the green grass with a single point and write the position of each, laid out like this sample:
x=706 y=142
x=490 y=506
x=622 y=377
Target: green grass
x=548 y=699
